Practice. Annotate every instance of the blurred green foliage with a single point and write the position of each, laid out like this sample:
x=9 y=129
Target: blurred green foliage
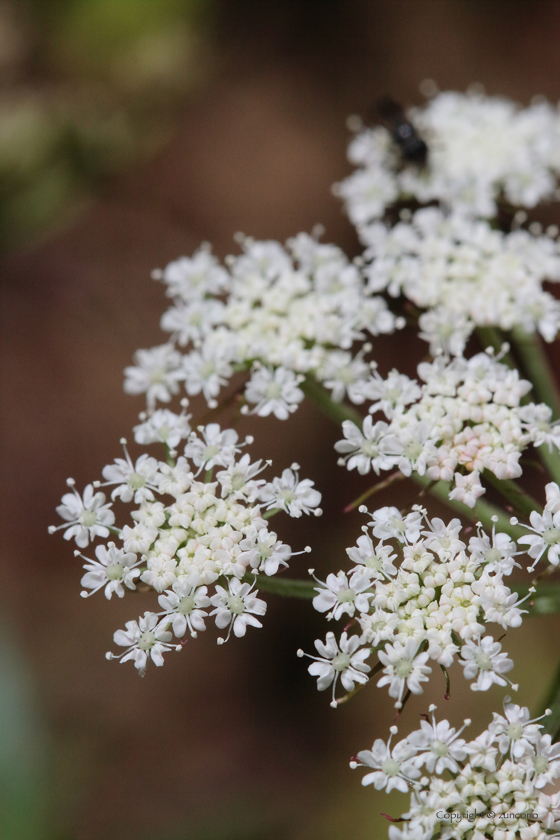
x=24 y=748
x=89 y=88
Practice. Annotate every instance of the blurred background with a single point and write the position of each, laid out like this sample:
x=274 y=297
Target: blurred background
x=130 y=131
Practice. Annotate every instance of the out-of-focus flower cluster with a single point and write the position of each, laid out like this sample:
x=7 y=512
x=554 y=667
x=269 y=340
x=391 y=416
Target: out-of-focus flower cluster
x=492 y=786
x=465 y=418
x=481 y=150
x=197 y=542
x=417 y=593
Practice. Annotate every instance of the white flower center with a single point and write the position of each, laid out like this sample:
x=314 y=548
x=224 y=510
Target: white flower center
x=147 y=640
x=210 y=452
x=238 y=481
x=136 y=481
x=273 y=391
x=445 y=330
x=346 y=595
x=413 y=450
x=264 y=550
x=439 y=748
x=346 y=376
x=540 y=763
x=551 y=536
x=341 y=661
x=114 y=571
x=397 y=525
x=515 y=731
x=235 y=604
x=157 y=375
x=207 y=369
x=403 y=668
x=88 y=518
x=391 y=767
x=373 y=562
x=370 y=448
x=186 y=605
x=287 y=496
x=493 y=555
x=483 y=661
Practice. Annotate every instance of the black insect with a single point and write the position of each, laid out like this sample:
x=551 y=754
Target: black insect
x=413 y=148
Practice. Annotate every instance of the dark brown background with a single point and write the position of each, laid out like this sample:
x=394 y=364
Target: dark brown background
x=232 y=742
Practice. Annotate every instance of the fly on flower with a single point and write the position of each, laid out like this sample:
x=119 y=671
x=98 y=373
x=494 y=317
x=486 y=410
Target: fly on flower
x=413 y=148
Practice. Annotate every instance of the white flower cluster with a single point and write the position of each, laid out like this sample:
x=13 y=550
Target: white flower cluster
x=281 y=313
x=492 y=787
x=418 y=593
x=466 y=273
x=466 y=417
x=193 y=542
x=480 y=149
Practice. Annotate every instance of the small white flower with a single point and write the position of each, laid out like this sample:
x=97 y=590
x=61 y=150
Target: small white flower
x=375 y=561
x=135 y=481
x=545 y=539
x=163 y=426
x=264 y=551
x=191 y=278
x=393 y=768
x=343 y=596
x=157 y=373
x=144 y=640
x=388 y=523
x=404 y=668
x=113 y=569
x=546 y=762
x=467 y=488
x=185 y=607
x=206 y=372
x=548 y=811
x=482 y=752
x=346 y=662
x=290 y=494
x=236 y=609
x=274 y=392
x=438 y=745
x=372 y=448
x=238 y=479
x=496 y=553
x=515 y=730
x=484 y=661
x=87 y=517
x=217 y=447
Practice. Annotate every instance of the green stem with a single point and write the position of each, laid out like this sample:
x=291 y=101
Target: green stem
x=447 y=682
x=287 y=587
x=270 y=513
x=521 y=501
x=168 y=458
x=537 y=366
x=494 y=337
x=334 y=410
x=545 y=601
x=535 y=362
x=552 y=702
x=381 y=485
